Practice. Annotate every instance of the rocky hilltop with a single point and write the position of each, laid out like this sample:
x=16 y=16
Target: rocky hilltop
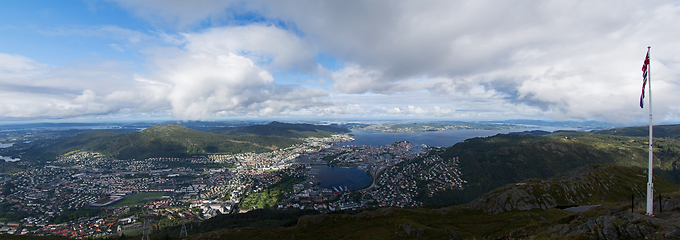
x=587 y=185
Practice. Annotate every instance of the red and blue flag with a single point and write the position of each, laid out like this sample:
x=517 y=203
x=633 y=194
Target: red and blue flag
x=645 y=65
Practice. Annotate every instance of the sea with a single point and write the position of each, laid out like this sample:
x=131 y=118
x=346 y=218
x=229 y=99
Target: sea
x=353 y=178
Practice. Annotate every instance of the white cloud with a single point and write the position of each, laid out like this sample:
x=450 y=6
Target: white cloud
x=267 y=46
x=225 y=72
x=205 y=83
x=575 y=59
x=354 y=79
x=87 y=97
x=13 y=67
x=454 y=59
x=218 y=72
x=32 y=90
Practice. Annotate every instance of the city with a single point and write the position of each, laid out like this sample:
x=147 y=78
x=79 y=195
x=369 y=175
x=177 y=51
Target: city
x=86 y=194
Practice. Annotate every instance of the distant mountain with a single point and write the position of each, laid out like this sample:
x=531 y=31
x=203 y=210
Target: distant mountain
x=288 y=130
x=569 y=124
x=164 y=141
x=49 y=126
x=532 y=132
x=659 y=131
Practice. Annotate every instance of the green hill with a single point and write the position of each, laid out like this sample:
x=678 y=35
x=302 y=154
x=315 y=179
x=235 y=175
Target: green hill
x=288 y=130
x=587 y=185
x=164 y=141
x=491 y=162
x=660 y=131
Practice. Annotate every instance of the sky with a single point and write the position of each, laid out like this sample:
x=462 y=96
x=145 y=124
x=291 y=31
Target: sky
x=99 y=60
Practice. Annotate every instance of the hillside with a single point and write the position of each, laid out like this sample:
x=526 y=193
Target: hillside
x=587 y=185
x=491 y=162
x=163 y=141
x=287 y=130
x=611 y=220
x=660 y=131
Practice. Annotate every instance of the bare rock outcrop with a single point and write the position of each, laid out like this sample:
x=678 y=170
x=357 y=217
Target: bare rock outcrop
x=582 y=186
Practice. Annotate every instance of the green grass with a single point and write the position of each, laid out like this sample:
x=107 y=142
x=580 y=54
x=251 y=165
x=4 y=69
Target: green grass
x=138 y=198
x=388 y=223
x=269 y=196
x=9 y=168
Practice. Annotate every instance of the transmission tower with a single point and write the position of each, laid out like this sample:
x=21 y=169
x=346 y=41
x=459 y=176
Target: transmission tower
x=146 y=230
x=147 y=225
x=183 y=232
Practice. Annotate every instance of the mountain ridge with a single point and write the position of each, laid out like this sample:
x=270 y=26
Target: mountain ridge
x=164 y=141
x=659 y=131
x=289 y=130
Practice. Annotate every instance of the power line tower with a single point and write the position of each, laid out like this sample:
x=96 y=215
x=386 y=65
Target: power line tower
x=146 y=228
x=183 y=232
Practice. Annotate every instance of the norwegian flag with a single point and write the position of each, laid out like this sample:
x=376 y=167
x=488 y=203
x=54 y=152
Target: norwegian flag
x=645 y=65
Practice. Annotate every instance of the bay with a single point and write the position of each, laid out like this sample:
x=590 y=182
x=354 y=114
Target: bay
x=339 y=177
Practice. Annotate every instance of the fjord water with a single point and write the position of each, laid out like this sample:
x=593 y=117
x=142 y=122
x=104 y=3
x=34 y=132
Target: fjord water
x=350 y=178
x=430 y=138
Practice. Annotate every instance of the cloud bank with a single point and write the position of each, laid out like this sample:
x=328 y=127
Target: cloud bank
x=458 y=60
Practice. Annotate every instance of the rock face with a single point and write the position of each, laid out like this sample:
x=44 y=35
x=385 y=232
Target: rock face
x=623 y=225
x=673 y=233
x=586 y=185
x=412 y=231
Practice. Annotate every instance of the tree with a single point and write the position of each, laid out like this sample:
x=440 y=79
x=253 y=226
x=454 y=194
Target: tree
x=7 y=189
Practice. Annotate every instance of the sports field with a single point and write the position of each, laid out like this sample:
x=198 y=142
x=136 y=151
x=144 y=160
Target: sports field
x=140 y=198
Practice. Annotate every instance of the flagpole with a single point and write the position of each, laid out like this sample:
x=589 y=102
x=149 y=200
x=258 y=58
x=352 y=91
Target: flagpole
x=650 y=185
